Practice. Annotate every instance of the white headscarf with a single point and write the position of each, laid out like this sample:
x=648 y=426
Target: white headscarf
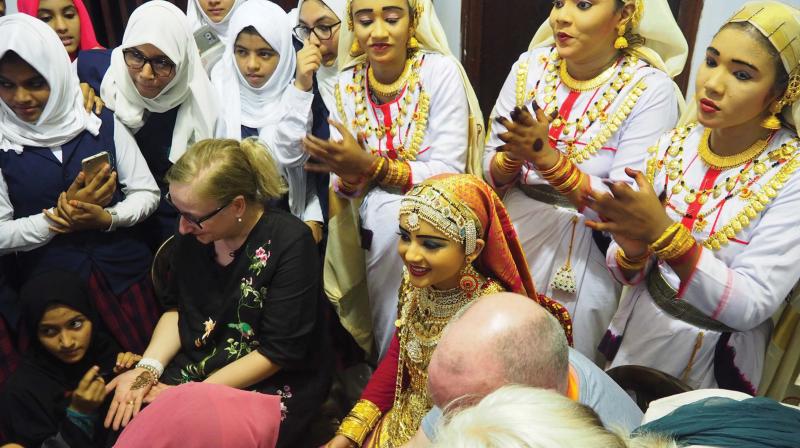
x=242 y=104
x=665 y=47
x=198 y=18
x=163 y=25
x=431 y=37
x=327 y=76
x=64 y=116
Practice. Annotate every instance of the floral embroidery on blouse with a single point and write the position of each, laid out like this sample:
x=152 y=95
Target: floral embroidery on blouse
x=249 y=298
x=285 y=394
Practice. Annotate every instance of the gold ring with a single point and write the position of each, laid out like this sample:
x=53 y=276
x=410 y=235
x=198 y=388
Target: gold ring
x=130 y=403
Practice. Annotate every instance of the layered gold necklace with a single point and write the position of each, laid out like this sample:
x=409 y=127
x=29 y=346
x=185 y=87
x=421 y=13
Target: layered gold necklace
x=784 y=159
x=588 y=84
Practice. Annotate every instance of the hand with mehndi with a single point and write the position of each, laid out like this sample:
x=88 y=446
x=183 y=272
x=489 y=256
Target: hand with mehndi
x=526 y=138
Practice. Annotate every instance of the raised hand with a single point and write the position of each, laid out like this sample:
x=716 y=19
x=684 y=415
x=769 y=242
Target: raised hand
x=90 y=393
x=309 y=59
x=634 y=218
x=526 y=138
x=98 y=190
x=347 y=158
x=91 y=100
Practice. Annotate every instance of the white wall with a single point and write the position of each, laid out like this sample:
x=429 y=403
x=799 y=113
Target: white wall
x=449 y=12
x=11 y=6
x=715 y=14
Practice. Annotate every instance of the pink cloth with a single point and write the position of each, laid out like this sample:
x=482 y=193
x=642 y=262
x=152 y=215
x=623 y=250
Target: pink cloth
x=203 y=414
x=88 y=38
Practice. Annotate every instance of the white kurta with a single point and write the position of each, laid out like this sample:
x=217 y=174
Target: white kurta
x=443 y=150
x=545 y=231
x=740 y=285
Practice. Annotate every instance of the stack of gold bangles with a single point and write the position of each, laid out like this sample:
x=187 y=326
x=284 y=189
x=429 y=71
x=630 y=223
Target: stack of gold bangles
x=674 y=243
x=632 y=264
x=360 y=421
x=396 y=173
x=564 y=176
x=506 y=164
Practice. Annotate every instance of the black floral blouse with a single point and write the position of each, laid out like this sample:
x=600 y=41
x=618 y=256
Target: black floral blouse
x=267 y=300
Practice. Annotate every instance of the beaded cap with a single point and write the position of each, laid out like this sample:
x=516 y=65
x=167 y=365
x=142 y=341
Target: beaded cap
x=447 y=214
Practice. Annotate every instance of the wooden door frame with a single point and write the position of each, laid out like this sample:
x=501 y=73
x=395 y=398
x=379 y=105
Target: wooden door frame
x=472 y=33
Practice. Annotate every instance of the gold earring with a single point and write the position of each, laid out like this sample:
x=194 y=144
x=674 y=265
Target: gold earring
x=773 y=122
x=356 y=50
x=621 y=42
x=469 y=281
x=413 y=43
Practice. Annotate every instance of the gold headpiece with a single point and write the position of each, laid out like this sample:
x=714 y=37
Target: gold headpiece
x=418 y=9
x=447 y=214
x=780 y=24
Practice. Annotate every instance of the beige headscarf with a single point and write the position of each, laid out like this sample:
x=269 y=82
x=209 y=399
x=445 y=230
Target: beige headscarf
x=780 y=24
x=431 y=37
x=664 y=46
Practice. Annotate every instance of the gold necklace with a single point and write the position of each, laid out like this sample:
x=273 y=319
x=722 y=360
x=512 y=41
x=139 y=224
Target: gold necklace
x=389 y=90
x=727 y=162
x=589 y=84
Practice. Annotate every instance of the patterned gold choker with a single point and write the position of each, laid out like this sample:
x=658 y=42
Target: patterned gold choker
x=727 y=162
x=393 y=89
x=589 y=84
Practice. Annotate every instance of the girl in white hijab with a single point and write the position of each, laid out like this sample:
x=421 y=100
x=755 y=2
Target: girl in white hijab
x=169 y=106
x=52 y=213
x=216 y=14
x=313 y=20
x=254 y=80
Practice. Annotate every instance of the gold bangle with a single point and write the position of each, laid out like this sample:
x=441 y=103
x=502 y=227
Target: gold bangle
x=377 y=167
x=505 y=164
x=559 y=164
x=565 y=184
x=668 y=233
x=565 y=190
x=360 y=421
x=631 y=264
x=347 y=187
x=681 y=243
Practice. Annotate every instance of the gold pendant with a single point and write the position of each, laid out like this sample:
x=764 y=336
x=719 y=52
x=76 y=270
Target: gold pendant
x=690 y=198
x=700 y=224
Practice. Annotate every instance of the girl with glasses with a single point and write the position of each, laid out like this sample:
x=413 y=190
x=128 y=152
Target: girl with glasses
x=52 y=213
x=157 y=87
x=254 y=80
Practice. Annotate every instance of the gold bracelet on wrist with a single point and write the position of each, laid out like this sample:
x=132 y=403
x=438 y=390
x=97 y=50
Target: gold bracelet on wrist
x=555 y=168
x=681 y=243
x=360 y=421
x=631 y=264
x=668 y=233
x=571 y=184
x=505 y=164
x=377 y=166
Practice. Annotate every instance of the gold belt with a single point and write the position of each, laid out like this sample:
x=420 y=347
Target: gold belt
x=667 y=299
x=547 y=194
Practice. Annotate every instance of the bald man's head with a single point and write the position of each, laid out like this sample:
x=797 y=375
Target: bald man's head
x=500 y=339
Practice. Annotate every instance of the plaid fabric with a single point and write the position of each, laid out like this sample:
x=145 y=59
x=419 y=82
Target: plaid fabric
x=9 y=357
x=131 y=316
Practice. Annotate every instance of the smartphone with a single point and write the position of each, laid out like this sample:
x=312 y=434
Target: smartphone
x=93 y=164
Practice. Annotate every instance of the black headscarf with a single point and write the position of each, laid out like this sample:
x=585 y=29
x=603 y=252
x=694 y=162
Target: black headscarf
x=34 y=401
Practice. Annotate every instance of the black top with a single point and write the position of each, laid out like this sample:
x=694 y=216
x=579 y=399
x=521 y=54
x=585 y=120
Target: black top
x=267 y=300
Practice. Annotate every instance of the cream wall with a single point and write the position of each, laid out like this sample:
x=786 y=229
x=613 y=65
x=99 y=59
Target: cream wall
x=449 y=12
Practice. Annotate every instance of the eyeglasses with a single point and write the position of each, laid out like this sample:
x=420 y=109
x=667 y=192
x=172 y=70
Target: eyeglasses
x=196 y=221
x=161 y=65
x=323 y=32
